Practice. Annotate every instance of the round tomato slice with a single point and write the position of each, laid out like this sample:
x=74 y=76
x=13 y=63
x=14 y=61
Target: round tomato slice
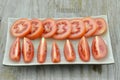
x=27 y=50
x=15 y=51
x=78 y=29
x=49 y=28
x=69 y=52
x=21 y=27
x=102 y=26
x=84 y=50
x=42 y=51
x=99 y=48
x=37 y=29
x=90 y=25
x=63 y=29
x=55 y=54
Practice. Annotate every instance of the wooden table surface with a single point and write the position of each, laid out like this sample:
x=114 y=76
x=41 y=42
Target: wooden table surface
x=61 y=8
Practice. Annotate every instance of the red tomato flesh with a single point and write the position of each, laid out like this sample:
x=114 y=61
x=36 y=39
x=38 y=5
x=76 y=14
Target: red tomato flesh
x=27 y=50
x=102 y=26
x=69 y=52
x=49 y=28
x=90 y=25
x=63 y=29
x=37 y=29
x=42 y=51
x=78 y=29
x=55 y=54
x=21 y=28
x=99 y=48
x=84 y=49
x=15 y=50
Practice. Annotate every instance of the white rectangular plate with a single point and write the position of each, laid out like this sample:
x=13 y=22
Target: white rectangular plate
x=7 y=61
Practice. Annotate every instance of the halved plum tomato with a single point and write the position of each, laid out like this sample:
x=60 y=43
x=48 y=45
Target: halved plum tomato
x=37 y=29
x=49 y=28
x=90 y=25
x=63 y=29
x=55 y=54
x=84 y=49
x=69 y=52
x=78 y=29
x=27 y=50
x=42 y=51
x=102 y=26
x=15 y=50
x=99 y=48
x=21 y=28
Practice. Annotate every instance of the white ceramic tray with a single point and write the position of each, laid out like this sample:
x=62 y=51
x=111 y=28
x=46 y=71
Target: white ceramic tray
x=7 y=61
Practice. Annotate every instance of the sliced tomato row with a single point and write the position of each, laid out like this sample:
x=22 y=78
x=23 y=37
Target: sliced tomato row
x=59 y=29
x=31 y=29
x=99 y=50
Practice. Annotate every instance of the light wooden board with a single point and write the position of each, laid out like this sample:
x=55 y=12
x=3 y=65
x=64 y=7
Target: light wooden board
x=62 y=8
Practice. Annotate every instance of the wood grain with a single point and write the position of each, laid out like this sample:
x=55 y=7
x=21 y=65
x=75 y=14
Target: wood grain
x=61 y=8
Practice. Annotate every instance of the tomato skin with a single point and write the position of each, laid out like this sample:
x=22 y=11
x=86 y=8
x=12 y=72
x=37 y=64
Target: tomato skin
x=42 y=51
x=69 y=52
x=78 y=29
x=84 y=49
x=37 y=29
x=63 y=29
x=15 y=51
x=20 y=23
x=99 y=48
x=102 y=26
x=90 y=25
x=55 y=53
x=49 y=28
x=27 y=50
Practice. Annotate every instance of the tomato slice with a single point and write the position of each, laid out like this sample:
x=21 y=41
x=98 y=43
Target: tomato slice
x=49 y=28
x=42 y=51
x=78 y=29
x=55 y=54
x=69 y=52
x=63 y=29
x=27 y=50
x=15 y=51
x=99 y=48
x=90 y=25
x=37 y=29
x=21 y=27
x=102 y=26
x=84 y=49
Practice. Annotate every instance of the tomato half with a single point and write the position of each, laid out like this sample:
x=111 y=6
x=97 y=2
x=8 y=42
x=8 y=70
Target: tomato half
x=49 y=28
x=99 y=48
x=63 y=29
x=78 y=29
x=69 y=52
x=90 y=25
x=37 y=29
x=42 y=51
x=102 y=26
x=55 y=54
x=15 y=51
x=27 y=50
x=21 y=27
x=83 y=49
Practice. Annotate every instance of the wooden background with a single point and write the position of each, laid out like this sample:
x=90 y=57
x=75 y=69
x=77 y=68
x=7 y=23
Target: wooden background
x=61 y=8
